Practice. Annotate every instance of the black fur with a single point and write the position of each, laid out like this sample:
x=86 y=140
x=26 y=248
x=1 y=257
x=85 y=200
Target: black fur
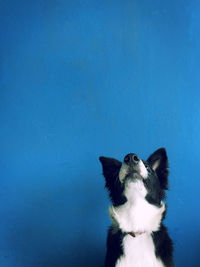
x=164 y=246
x=156 y=183
x=114 y=248
x=162 y=170
x=111 y=169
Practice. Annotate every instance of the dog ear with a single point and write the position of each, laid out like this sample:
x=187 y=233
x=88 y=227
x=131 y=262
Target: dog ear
x=110 y=167
x=159 y=163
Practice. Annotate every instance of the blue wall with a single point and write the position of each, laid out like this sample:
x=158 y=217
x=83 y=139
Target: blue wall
x=79 y=79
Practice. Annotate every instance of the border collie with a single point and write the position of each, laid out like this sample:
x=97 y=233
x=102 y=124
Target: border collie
x=137 y=236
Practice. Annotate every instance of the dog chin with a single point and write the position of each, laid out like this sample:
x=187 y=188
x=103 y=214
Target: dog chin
x=134 y=177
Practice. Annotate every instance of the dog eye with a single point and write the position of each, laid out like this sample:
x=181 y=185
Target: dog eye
x=148 y=168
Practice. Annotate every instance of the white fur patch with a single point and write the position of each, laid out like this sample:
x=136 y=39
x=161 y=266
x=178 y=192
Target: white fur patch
x=138 y=252
x=137 y=214
x=142 y=169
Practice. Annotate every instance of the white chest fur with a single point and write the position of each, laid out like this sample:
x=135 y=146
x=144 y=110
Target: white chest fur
x=137 y=215
x=138 y=252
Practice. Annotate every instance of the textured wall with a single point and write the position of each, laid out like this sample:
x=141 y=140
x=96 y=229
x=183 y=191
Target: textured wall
x=79 y=79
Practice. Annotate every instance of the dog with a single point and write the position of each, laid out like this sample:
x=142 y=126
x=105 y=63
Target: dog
x=137 y=236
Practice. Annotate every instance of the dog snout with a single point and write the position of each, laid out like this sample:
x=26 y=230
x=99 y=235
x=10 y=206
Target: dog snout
x=131 y=159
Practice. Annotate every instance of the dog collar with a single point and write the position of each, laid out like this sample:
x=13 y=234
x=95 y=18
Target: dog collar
x=134 y=234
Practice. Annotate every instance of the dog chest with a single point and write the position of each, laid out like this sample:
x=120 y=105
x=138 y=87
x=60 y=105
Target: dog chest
x=138 y=251
x=137 y=214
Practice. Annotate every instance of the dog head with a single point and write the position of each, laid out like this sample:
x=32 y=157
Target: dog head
x=152 y=174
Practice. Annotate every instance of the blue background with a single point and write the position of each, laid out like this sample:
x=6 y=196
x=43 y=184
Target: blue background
x=80 y=79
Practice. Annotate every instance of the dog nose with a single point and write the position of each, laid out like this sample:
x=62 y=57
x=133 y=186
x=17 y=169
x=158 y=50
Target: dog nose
x=131 y=159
